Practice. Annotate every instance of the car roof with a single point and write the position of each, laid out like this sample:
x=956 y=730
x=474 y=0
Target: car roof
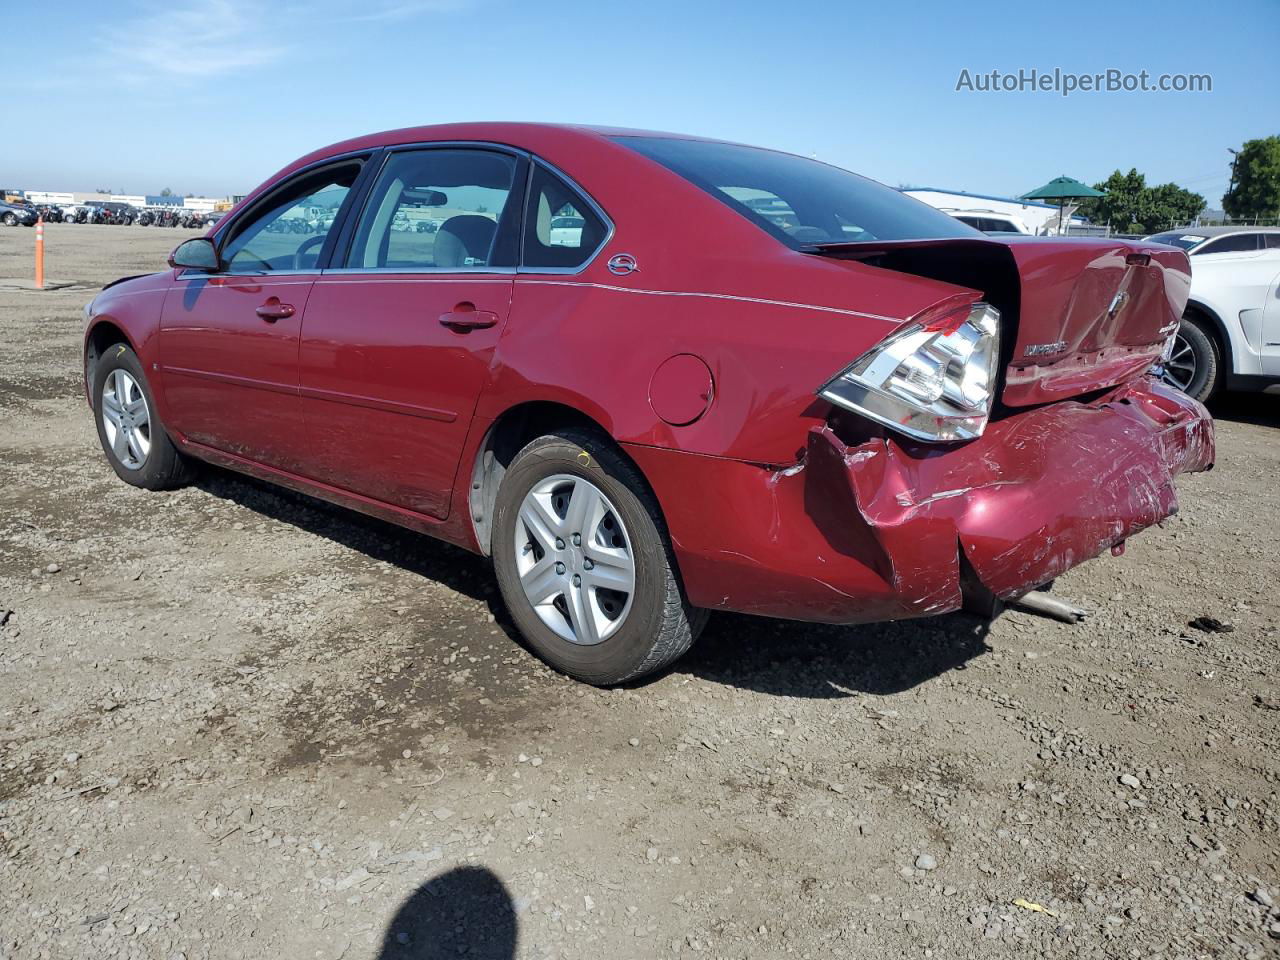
x=518 y=134
x=1219 y=231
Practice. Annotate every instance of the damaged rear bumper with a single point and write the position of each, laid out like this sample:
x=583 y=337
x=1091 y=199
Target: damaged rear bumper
x=887 y=530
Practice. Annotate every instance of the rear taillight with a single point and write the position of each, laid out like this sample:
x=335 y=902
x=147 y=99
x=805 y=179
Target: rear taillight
x=933 y=380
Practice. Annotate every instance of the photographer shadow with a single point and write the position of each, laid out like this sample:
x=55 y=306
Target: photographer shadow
x=464 y=912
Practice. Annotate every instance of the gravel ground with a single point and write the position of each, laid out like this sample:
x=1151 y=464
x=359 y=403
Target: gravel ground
x=235 y=722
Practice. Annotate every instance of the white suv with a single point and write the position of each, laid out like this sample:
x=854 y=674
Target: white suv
x=1230 y=333
x=989 y=221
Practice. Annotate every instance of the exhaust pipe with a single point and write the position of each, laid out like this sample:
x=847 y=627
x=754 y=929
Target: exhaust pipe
x=1047 y=606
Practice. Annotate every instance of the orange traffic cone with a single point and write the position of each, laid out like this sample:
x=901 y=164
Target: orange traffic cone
x=40 y=253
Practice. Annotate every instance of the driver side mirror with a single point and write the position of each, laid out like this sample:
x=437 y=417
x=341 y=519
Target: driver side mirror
x=198 y=253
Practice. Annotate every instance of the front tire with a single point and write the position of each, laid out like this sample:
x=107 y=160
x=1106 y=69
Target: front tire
x=583 y=561
x=1194 y=366
x=129 y=428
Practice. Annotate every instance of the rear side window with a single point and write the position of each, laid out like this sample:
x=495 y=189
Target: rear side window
x=800 y=202
x=561 y=229
x=1235 y=243
x=439 y=209
x=1272 y=240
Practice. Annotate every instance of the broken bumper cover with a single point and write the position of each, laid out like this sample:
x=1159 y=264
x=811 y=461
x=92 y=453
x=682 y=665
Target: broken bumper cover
x=888 y=529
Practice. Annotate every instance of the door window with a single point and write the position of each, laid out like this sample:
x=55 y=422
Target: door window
x=289 y=231
x=561 y=230
x=439 y=209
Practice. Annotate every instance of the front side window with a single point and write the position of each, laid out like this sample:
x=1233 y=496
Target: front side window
x=800 y=202
x=289 y=232
x=1233 y=243
x=439 y=209
x=561 y=230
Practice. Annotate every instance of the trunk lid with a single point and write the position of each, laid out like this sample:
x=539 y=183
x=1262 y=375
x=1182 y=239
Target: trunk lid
x=1078 y=315
x=1093 y=313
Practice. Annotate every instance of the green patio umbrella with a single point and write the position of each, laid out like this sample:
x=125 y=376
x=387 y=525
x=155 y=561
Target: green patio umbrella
x=1062 y=189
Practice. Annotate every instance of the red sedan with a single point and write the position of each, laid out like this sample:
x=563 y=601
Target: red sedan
x=655 y=375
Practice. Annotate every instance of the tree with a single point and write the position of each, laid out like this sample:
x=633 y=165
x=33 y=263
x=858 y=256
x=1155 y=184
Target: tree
x=166 y=192
x=1131 y=206
x=1256 y=181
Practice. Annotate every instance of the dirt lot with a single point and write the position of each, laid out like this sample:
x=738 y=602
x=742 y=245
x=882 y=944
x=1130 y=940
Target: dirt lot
x=235 y=722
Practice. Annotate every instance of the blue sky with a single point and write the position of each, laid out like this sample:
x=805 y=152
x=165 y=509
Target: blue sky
x=212 y=96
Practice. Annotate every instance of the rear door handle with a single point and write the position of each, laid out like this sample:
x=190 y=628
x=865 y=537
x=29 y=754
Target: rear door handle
x=274 y=310
x=464 y=316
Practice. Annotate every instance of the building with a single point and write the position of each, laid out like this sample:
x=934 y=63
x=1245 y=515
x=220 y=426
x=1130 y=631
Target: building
x=68 y=198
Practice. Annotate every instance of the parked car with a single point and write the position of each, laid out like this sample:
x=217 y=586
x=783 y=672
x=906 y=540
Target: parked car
x=693 y=409
x=1230 y=333
x=566 y=231
x=990 y=221
x=18 y=214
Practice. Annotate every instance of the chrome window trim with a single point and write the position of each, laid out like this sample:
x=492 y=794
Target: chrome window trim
x=456 y=144
x=409 y=271
x=370 y=154
x=191 y=274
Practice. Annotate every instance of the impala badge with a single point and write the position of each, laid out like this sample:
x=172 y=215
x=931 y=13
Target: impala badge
x=1117 y=303
x=1043 y=349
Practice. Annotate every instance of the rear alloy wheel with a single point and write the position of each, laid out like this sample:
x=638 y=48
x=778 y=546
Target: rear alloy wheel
x=574 y=559
x=583 y=561
x=1192 y=367
x=10 y=220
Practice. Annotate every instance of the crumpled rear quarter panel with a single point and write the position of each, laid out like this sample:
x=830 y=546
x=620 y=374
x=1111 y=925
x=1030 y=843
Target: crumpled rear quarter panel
x=876 y=531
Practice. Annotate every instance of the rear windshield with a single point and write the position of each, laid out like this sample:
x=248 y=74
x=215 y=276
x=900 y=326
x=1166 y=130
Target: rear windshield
x=801 y=202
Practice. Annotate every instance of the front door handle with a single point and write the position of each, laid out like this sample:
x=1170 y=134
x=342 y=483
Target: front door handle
x=274 y=310
x=464 y=316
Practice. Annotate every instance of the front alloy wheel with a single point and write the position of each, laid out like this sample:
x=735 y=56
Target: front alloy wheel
x=129 y=427
x=1192 y=366
x=126 y=419
x=1180 y=368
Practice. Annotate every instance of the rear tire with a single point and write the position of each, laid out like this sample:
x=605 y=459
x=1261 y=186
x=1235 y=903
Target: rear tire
x=1195 y=366
x=129 y=428
x=543 y=547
